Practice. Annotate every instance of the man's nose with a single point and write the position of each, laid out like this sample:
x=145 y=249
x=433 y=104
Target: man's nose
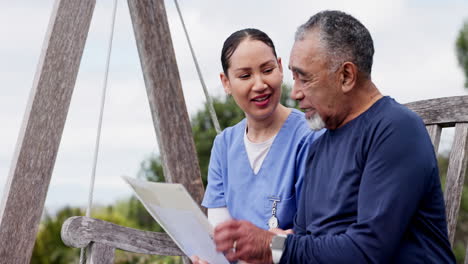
x=296 y=93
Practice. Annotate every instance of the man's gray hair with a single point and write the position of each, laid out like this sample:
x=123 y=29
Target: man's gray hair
x=343 y=37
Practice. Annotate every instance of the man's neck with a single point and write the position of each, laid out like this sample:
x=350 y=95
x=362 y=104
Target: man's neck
x=361 y=100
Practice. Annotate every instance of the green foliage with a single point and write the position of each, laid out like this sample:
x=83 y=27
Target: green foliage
x=286 y=99
x=137 y=212
x=122 y=257
x=461 y=232
x=151 y=169
x=462 y=50
x=49 y=248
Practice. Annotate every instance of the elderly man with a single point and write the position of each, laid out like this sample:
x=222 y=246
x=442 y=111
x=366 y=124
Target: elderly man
x=372 y=192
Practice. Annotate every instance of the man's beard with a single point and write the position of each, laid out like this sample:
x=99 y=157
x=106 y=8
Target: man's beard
x=315 y=122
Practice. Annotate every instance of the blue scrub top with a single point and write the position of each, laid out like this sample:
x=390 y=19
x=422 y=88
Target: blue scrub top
x=249 y=196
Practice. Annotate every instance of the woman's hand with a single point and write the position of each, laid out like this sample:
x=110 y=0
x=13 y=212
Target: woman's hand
x=281 y=231
x=197 y=260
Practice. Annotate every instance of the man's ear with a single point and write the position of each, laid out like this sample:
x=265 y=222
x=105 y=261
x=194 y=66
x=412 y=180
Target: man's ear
x=225 y=82
x=348 y=76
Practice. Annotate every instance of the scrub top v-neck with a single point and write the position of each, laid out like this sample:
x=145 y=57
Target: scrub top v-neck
x=232 y=182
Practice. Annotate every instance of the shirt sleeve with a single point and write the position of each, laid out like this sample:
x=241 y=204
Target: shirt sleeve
x=398 y=167
x=214 y=194
x=301 y=160
x=218 y=215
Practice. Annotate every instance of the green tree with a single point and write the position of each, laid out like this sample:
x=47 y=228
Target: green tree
x=49 y=248
x=462 y=50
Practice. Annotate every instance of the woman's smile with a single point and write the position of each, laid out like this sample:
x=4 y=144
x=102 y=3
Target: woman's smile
x=261 y=100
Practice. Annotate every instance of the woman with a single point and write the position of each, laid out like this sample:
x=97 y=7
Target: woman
x=255 y=166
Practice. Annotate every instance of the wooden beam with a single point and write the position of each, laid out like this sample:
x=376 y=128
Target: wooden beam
x=166 y=98
x=80 y=231
x=41 y=131
x=456 y=177
x=445 y=111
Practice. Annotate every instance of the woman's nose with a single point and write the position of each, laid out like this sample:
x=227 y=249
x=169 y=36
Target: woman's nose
x=259 y=84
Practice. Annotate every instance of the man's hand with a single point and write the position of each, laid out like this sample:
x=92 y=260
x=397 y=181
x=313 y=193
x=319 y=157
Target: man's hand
x=242 y=240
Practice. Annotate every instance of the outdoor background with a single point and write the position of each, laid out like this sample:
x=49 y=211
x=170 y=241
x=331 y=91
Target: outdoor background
x=415 y=59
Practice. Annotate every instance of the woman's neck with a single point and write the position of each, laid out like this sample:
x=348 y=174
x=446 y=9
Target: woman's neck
x=264 y=129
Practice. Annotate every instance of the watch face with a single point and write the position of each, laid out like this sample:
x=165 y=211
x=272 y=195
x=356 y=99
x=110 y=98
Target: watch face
x=277 y=243
x=273 y=222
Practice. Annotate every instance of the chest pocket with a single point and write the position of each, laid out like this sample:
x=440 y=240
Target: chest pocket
x=285 y=210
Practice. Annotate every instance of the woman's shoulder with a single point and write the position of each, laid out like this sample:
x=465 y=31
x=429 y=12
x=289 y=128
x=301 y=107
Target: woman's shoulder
x=296 y=124
x=297 y=114
x=232 y=132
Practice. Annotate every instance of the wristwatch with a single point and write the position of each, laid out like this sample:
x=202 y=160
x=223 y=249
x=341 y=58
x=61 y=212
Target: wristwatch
x=277 y=247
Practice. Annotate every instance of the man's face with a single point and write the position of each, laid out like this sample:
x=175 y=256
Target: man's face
x=316 y=87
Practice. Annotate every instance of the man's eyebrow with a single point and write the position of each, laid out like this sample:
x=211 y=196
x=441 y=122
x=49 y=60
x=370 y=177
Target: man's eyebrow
x=297 y=70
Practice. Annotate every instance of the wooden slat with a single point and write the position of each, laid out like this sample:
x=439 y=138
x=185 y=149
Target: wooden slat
x=434 y=132
x=170 y=117
x=466 y=256
x=444 y=111
x=455 y=177
x=42 y=128
x=100 y=254
x=79 y=231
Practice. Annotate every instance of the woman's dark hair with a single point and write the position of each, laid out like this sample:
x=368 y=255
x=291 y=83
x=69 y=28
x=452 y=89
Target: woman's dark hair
x=233 y=41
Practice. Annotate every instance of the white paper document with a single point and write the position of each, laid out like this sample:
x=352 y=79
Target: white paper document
x=174 y=209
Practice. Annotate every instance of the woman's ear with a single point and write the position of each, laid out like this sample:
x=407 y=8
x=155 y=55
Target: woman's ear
x=348 y=76
x=226 y=83
x=280 y=64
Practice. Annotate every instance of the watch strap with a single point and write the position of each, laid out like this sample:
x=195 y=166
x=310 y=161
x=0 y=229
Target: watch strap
x=277 y=247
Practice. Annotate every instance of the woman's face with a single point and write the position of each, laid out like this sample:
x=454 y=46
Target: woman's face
x=254 y=79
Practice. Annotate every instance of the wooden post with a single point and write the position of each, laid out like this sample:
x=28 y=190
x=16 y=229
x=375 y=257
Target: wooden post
x=170 y=117
x=456 y=177
x=434 y=132
x=100 y=254
x=42 y=128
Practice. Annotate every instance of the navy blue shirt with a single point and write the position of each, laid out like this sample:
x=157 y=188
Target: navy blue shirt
x=372 y=194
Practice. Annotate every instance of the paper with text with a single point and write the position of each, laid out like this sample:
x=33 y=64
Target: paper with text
x=174 y=209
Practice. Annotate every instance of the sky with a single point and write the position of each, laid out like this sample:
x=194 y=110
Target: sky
x=414 y=60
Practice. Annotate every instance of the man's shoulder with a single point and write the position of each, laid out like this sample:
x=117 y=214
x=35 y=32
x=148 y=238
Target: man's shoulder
x=390 y=112
x=395 y=124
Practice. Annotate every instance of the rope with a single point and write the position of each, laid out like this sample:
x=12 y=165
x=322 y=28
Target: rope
x=211 y=109
x=98 y=136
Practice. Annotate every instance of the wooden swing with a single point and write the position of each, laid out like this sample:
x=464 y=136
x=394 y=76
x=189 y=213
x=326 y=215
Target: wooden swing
x=46 y=112
x=39 y=139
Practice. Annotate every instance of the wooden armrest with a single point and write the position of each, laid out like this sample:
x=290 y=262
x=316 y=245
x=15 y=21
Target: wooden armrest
x=79 y=231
